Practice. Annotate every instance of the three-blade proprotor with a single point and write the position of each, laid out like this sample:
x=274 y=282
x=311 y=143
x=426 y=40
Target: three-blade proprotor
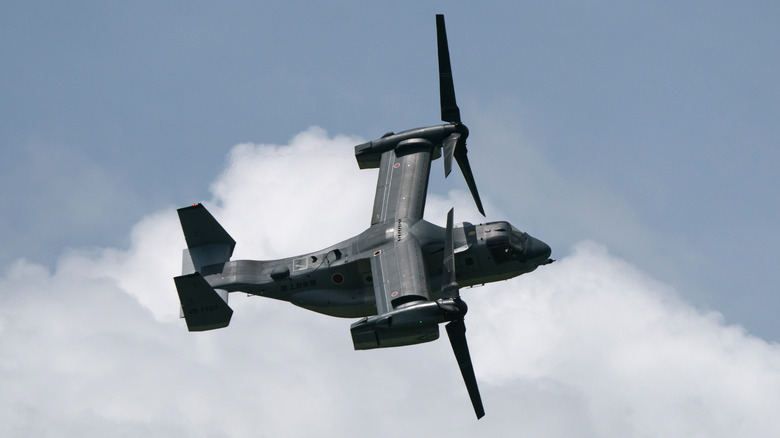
x=456 y=329
x=455 y=144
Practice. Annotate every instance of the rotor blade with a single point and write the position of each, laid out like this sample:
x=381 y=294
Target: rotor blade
x=465 y=169
x=449 y=287
x=456 y=330
x=449 y=109
x=448 y=148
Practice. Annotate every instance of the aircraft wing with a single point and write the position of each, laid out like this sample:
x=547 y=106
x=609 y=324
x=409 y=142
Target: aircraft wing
x=398 y=268
x=403 y=182
x=399 y=278
x=399 y=275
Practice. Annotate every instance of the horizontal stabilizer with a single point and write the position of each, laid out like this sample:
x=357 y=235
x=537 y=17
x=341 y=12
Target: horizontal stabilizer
x=201 y=305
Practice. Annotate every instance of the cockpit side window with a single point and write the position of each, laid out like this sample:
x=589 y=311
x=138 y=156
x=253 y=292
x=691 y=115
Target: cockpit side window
x=500 y=249
x=503 y=254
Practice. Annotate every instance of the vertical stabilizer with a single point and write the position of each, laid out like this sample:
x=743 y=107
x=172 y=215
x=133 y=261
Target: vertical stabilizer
x=207 y=242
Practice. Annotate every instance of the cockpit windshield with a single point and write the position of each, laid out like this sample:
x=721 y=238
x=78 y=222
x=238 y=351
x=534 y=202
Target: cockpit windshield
x=505 y=242
x=518 y=239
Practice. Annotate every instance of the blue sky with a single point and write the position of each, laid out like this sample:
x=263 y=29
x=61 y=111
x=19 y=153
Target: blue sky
x=646 y=129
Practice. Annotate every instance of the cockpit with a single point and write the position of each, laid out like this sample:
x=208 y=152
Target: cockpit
x=506 y=243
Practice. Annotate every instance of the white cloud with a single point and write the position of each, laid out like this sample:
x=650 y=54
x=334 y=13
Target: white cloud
x=588 y=346
x=648 y=364
x=284 y=200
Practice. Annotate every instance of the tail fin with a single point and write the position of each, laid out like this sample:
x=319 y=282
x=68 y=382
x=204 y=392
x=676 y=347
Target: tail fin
x=207 y=242
x=203 y=307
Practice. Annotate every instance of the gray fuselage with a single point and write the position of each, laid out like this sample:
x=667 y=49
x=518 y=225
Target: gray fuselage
x=337 y=280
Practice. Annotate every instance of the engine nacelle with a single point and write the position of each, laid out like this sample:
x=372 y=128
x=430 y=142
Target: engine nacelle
x=366 y=338
x=411 y=324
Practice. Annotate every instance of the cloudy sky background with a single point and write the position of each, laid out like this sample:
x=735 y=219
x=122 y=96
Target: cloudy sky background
x=638 y=140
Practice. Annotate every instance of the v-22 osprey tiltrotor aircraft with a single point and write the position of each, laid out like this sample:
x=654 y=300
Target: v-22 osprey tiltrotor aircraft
x=401 y=276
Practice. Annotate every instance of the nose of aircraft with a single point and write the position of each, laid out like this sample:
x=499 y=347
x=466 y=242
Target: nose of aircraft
x=536 y=250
